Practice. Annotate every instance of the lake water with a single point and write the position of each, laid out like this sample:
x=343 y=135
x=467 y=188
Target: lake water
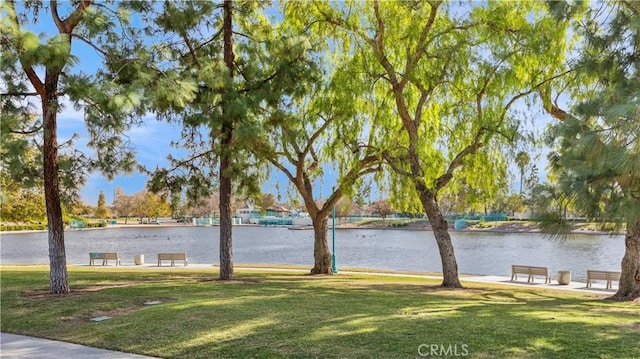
x=404 y=250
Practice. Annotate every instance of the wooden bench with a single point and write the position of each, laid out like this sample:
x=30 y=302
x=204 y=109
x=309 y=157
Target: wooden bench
x=105 y=258
x=602 y=275
x=531 y=272
x=172 y=257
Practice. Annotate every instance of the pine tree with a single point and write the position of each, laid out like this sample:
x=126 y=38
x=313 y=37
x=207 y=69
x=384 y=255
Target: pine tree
x=42 y=68
x=101 y=210
x=597 y=158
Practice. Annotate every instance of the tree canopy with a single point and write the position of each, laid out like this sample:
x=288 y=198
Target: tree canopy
x=442 y=82
x=597 y=142
x=38 y=73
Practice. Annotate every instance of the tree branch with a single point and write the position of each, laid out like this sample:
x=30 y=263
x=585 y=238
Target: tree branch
x=378 y=48
x=56 y=18
x=412 y=60
x=31 y=74
x=86 y=41
x=184 y=36
x=391 y=162
x=67 y=25
x=457 y=161
x=552 y=108
x=342 y=24
x=19 y=93
x=29 y=132
x=309 y=147
x=424 y=96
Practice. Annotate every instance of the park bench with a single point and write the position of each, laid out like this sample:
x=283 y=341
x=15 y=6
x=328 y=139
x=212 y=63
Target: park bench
x=602 y=275
x=105 y=258
x=531 y=272
x=172 y=257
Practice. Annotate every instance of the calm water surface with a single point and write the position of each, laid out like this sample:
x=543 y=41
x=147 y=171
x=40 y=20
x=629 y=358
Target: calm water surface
x=406 y=250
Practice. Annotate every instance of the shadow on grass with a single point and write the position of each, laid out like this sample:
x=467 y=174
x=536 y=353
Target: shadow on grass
x=291 y=315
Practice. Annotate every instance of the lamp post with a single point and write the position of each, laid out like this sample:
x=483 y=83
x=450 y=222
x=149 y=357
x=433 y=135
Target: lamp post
x=334 y=268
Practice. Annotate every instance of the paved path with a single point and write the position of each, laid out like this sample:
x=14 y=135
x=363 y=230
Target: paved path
x=14 y=346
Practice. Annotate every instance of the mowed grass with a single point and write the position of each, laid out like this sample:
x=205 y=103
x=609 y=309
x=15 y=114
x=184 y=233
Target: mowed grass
x=268 y=314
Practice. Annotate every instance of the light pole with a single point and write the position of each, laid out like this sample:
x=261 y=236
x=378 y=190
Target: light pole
x=334 y=268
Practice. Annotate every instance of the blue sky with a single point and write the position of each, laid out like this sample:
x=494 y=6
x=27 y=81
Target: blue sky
x=152 y=140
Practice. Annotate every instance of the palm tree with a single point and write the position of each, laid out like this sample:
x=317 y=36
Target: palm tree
x=522 y=160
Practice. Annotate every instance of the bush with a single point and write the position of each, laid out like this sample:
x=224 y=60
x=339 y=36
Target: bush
x=23 y=227
x=96 y=225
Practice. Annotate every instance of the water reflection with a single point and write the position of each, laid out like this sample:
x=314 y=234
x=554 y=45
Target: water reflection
x=477 y=253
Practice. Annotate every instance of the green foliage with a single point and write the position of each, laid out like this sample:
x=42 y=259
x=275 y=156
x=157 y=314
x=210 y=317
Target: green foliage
x=272 y=69
x=19 y=204
x=101 y=210
x=96 y=225
x=110 y=107
x=22 y=227
x=439 y=89
x=597 y=157
x=553 y=223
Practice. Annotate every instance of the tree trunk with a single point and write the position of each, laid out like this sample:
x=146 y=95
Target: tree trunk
x=226 y=249
x=443 y=239
x=321 y=254
x=629 y=288
x=58 y=277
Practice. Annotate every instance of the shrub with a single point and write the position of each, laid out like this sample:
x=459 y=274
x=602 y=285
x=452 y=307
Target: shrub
x=23 y=227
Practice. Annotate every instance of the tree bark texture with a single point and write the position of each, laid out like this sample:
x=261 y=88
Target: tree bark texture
x=226 y=248
x=629 y=287
x=440 y=229
x=58 y=276
x=321 y=253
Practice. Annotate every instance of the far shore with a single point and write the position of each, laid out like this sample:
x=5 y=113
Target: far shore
x=489 y=227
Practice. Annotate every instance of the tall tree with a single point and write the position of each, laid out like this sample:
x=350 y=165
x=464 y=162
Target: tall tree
x=226 y=153
x=101 y=210
x=47 y=67
x=445 y=77
x=597 y=161
x=382 y=208
x=318 y=128
x=239 y=66
x=522 y=160
x=122 y=204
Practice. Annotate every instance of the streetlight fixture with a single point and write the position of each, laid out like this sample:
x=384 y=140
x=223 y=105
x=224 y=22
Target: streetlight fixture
x=334 y=268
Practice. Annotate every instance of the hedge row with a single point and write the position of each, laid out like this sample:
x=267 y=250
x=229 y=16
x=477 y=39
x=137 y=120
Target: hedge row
x=23 y=227
x=39 y=227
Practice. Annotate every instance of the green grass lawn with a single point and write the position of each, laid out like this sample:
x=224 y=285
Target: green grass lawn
x=267 y=314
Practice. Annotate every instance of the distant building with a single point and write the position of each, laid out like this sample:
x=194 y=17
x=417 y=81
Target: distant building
x=246 y=214
x=250 y=215
x=278 y=211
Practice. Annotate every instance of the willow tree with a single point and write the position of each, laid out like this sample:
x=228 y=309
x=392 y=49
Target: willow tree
x=228 y=63
x=597 y=161
x=42 y=67
x=447 y=78
x=320 y=128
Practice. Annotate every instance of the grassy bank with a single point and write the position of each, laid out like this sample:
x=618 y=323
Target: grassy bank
x=271 y=314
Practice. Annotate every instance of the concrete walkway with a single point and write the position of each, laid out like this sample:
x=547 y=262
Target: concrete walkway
x=597 y=286
x=14 y=346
